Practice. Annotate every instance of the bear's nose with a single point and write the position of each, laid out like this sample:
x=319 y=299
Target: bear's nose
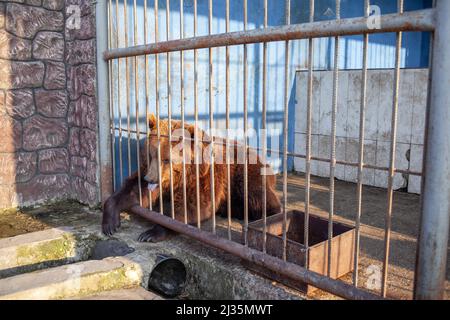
x=147 y=178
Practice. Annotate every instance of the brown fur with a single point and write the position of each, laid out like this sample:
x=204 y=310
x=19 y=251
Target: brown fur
x=127 y=196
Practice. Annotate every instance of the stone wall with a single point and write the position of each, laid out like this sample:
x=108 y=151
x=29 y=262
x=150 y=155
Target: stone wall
x=48 y=108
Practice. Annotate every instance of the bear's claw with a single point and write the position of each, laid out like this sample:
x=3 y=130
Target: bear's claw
x=155 y=234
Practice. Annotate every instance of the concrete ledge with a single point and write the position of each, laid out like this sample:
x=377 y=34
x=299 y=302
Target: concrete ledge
x=75 y=280
x=42 y=249
x=124 y=294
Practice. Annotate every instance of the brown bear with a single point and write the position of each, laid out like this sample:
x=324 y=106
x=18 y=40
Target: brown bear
x=171 y=156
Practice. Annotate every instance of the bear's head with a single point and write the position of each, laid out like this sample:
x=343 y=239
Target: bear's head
x=171 y=153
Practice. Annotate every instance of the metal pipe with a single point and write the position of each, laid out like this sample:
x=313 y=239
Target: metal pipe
x=394 y=124
x=288 y=269
x=158 y=129
x=309 y=132
x=147 y=141
x=169 y=111
x=245 y=133
x=111 y=94
x=333 y=139
x=136 y=102
x=362 y=119
x=227 y=106
x=104 y=172
x=420 y=20
x=285 y=131
x=119 y=111
x=264 y=133
x=127 y=86
x=196 y=149
x=183 y=152
x=326 y=160
x=211 y=122
x=434 y=231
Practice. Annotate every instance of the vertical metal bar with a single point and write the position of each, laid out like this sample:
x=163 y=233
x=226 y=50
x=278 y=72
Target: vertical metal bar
x=434 y=228
x=211 y=122
x=147 y=103
x=136 y=96
x=333 y=139
x=169 y=109
x=111 y=95
x=103 y=143
x=158 y=129
x=362 y=119
x=391 y=175
x=227 y=106
x=119 y=111
x=264 y=133
x=196 y=149
x=308 y=134
x=183 y=111
x=127 y=86
x=245 y=134
x=285 y=131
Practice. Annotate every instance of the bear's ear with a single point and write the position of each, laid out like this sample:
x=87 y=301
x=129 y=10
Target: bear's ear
x=151 y=121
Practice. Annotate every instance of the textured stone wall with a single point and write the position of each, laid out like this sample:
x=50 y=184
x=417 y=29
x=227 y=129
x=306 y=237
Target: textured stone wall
x=48 y=110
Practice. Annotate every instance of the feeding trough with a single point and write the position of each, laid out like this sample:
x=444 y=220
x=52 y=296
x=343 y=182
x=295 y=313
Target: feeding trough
x=315 y=258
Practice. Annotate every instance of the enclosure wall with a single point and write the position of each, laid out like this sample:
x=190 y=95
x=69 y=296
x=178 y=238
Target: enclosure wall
x=48 y=107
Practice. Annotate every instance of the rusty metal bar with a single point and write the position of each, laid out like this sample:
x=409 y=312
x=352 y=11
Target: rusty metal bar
x=211 y=121
x=245 y=132
x=326 y=160
x=264 y=133
x=147 y=141
x=136 y=101
x=183 y=141
x=169 y=110
x=309 y=132
x=227 y=106
x=104 y=139
x=111 y=95
x=288 y=269
x=431 y=263
x=119 y=111
x=158 y=129
x=285 y=130
x=420 y=20
x=333 y=138
x=127 y=86
x=196 y=148
x=390 y=195
x=361 y=151
x=362 y=119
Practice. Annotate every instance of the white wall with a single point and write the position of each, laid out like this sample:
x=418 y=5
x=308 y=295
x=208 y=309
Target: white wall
x=411 y=124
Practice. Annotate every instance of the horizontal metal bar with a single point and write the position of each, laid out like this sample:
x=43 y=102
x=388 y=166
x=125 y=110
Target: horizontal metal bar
x=421 y=20
x=288 y=269
x=302 y=156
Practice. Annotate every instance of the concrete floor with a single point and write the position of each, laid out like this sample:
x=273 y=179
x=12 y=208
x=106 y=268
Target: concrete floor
x=405 y=222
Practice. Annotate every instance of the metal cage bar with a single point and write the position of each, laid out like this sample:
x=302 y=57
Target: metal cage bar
x=434 y=227
x=245 y=132
x=362 y=119
x=285 y=130
x=182 y=110
x=435 y=207
x=394 y=124
x=333 y=139
x=420 y=20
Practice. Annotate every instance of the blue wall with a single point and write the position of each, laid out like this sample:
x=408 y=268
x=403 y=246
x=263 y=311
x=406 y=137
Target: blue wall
x=381 y=54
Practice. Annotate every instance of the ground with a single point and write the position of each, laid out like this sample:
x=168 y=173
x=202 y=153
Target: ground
x=405 y=221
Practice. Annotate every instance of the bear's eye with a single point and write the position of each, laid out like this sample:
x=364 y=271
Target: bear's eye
x=166 y=161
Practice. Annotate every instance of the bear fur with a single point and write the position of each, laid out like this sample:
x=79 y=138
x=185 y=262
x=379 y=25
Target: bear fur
x=171 y=156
